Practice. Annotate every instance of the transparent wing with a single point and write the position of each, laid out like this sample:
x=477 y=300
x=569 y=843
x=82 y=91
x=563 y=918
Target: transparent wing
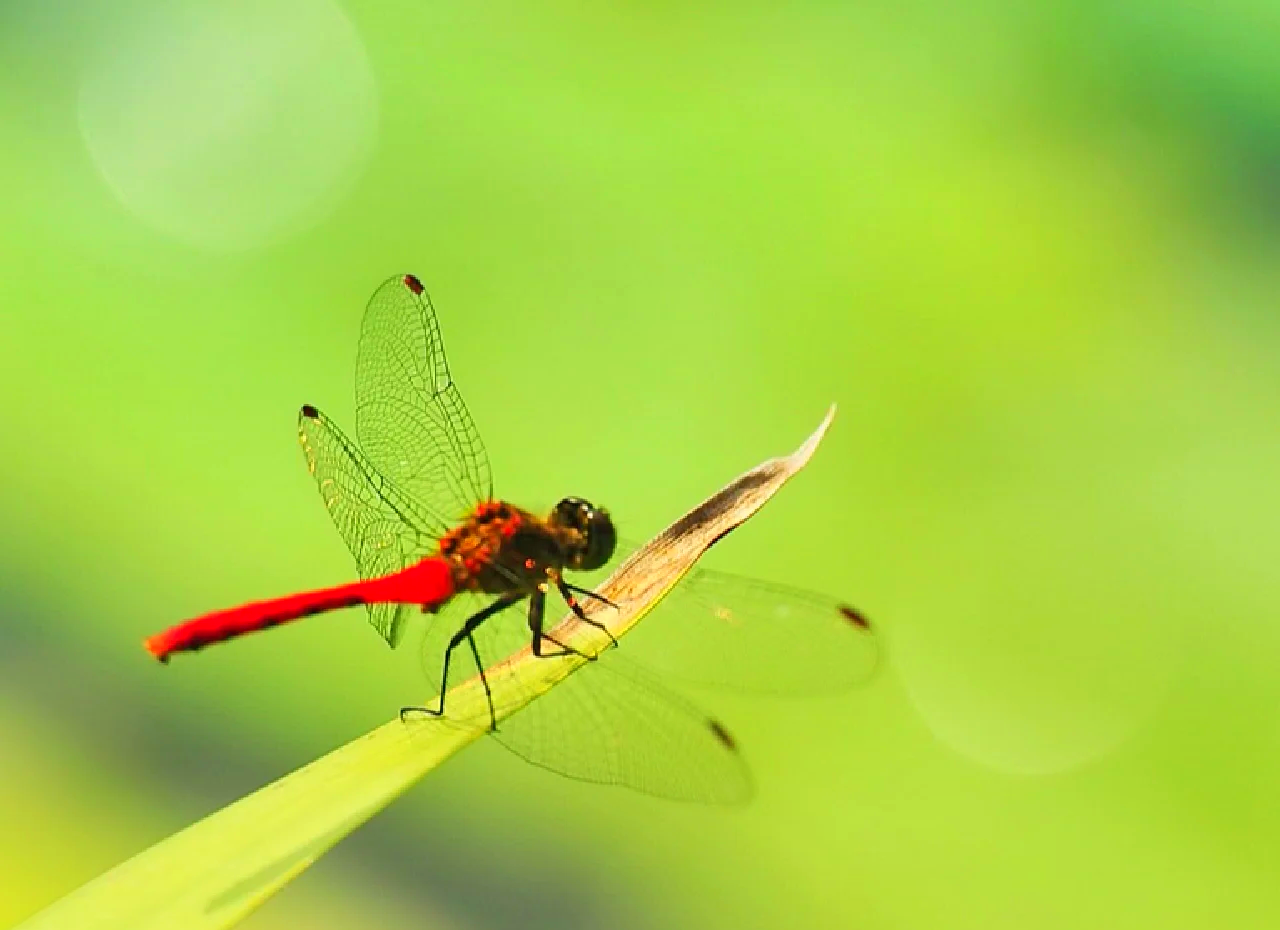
x=384 y=529
x=749 y=635
x=613 y=722
x=410 y=417
x=609 y=722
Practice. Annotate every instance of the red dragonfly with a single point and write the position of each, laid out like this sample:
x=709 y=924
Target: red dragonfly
x=395 y=499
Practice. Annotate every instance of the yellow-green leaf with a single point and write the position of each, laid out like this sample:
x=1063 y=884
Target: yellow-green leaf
x=216 y=871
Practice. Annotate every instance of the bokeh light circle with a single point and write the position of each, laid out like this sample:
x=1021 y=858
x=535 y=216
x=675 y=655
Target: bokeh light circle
x=1036 y=674
x=230 y=125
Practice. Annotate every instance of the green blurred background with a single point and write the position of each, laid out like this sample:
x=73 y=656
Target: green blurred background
x=1031 y=251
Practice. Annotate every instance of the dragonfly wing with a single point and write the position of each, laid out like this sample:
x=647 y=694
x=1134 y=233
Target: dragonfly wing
x=410 y=416
x=754 y=636
x=384 y=529
x=611 y=723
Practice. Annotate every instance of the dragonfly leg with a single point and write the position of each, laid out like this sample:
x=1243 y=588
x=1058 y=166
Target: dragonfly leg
x=537 y=610
x=465 y=632
x=567 y=591
x=592 y=594
x=488 y=695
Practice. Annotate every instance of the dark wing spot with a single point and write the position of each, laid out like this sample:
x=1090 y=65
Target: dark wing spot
x=854 y=617
x=311 y=413
x=722 y=734
x=413 y=284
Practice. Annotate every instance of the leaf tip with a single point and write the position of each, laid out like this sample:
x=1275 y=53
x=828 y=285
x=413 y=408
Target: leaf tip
x=805 y=452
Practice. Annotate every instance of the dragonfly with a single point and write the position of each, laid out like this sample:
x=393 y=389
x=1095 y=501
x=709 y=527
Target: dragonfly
x=413 y=501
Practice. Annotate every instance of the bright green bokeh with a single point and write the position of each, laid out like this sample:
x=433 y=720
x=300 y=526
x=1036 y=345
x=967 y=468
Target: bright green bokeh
x=1030 y=253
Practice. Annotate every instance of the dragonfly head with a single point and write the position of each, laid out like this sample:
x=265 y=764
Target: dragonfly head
x=595 y=529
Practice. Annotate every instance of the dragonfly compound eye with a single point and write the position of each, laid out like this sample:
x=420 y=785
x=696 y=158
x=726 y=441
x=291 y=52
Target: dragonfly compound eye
x=599 y=538
x=572 y=512
x=602 y=539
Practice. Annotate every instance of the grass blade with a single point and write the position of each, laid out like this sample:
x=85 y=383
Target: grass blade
x=215 y=872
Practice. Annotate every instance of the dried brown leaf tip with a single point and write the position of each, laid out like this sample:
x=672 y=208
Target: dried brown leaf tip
x=645 y=577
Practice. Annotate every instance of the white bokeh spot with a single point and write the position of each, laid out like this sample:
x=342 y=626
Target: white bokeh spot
x=228 y=126
x=1030 y=682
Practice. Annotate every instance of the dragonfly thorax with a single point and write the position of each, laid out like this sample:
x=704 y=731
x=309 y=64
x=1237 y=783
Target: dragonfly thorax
x=500 y=548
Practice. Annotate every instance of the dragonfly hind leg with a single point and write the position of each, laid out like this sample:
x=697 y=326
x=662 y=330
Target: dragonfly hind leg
x=465 y=633
x=488 y=695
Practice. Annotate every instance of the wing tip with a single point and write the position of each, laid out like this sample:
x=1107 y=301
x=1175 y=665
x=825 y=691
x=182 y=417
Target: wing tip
x=412 y=283
x=309 y=412
x=855 y=617
x=722 y=733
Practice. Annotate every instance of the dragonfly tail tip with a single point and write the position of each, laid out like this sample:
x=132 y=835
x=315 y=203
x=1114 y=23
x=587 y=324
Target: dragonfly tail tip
x=156 y=649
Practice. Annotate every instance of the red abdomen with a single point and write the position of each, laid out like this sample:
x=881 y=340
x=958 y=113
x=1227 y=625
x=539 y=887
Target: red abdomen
x=429 y=583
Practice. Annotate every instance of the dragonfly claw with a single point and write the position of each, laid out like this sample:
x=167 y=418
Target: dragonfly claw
x=405 y=711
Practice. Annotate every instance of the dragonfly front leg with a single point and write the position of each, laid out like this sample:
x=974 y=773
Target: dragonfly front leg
x=592 y=594
x=567 y=591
